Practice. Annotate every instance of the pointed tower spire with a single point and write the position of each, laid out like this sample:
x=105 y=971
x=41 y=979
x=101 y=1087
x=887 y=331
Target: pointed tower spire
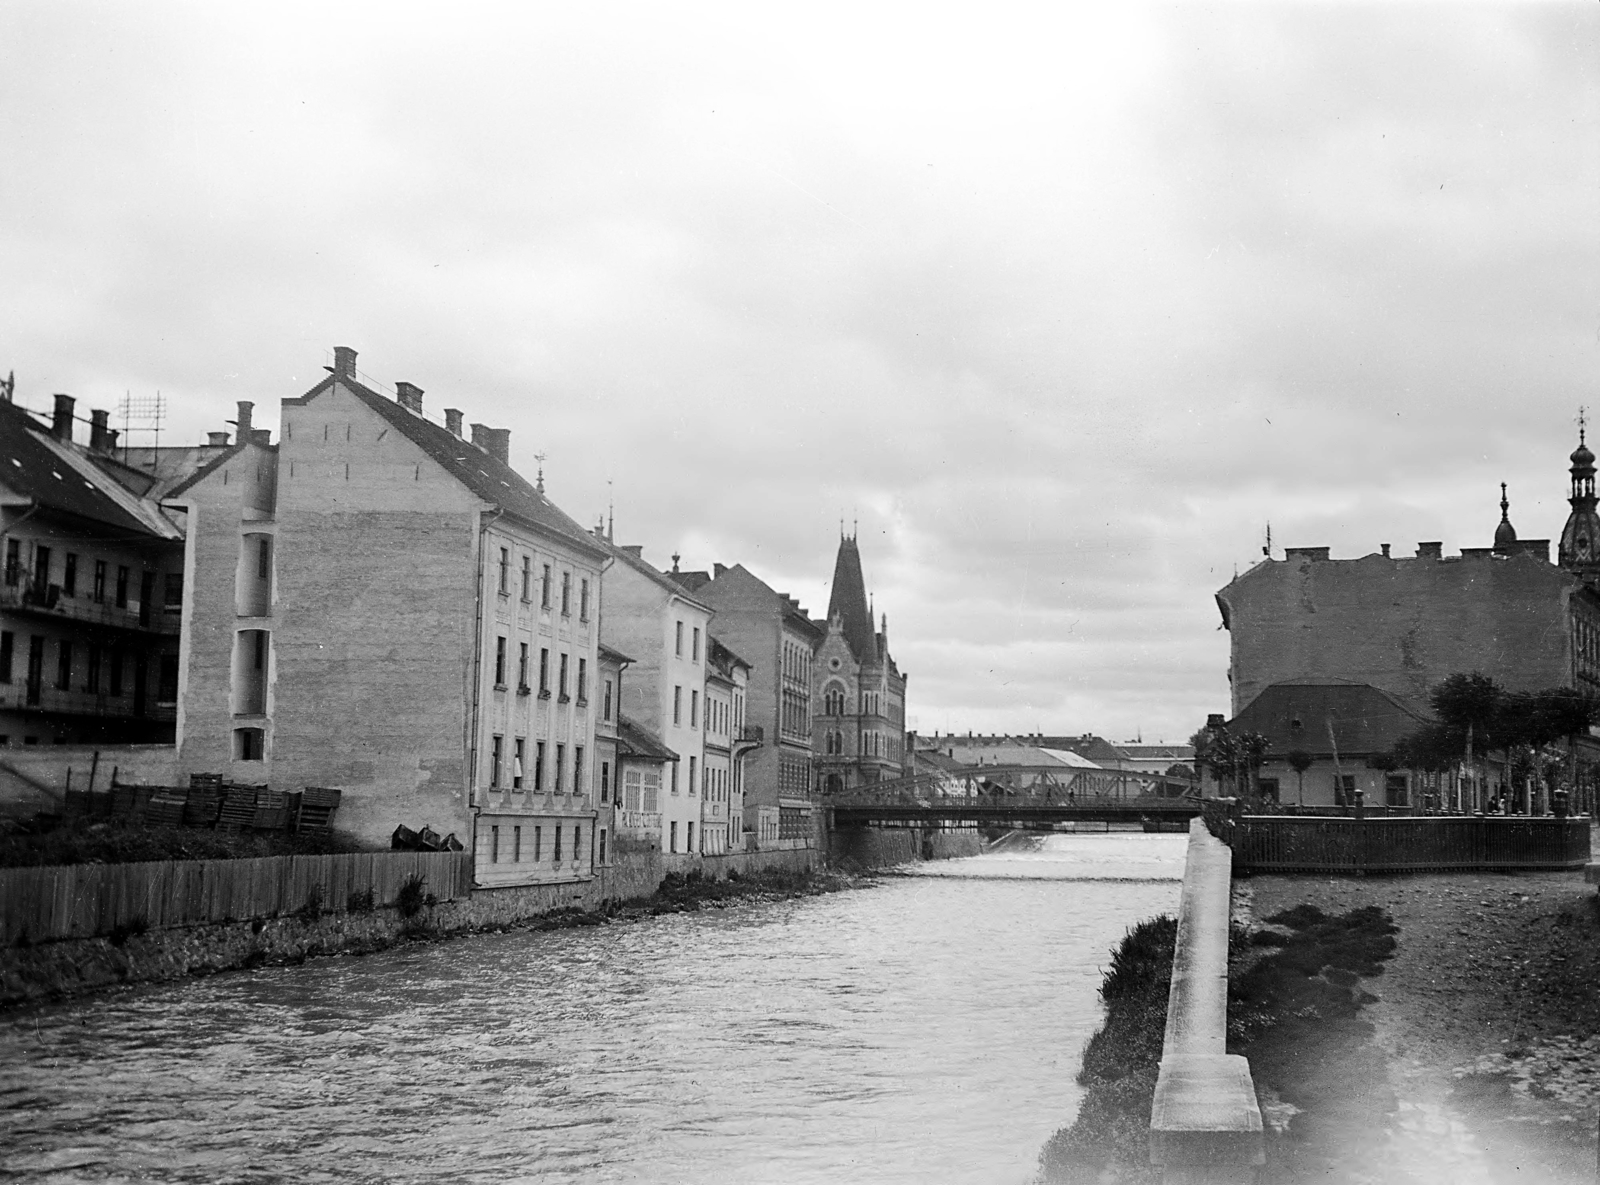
x=1505 y=535
x=848 y=601
x=1580 y=539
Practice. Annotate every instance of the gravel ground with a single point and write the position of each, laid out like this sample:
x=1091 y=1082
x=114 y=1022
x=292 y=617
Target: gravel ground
x=1488 y=1017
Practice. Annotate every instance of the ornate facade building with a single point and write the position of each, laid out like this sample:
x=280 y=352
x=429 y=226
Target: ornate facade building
x=859 y=731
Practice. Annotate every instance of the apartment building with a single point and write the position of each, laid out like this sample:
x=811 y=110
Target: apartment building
x=727 y=740
x=92 y=587
x=666 y=631
x=381 y=605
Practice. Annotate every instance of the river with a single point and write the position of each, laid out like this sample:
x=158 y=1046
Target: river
x=925 y=1029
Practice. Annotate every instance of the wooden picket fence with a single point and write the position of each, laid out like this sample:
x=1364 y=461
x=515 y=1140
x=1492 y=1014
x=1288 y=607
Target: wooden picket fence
x=86 y=900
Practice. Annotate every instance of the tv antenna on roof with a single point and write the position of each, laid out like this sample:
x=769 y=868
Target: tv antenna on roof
x=1267 y=550
x=142 y=413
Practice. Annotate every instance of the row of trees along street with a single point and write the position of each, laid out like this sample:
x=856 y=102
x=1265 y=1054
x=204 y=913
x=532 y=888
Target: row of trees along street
x=1530 y=737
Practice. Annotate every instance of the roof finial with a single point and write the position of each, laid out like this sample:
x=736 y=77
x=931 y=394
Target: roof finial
x=539 y=484
x=1583 y=422
x=611 y=513
x=675 y=558
x=1505 y=506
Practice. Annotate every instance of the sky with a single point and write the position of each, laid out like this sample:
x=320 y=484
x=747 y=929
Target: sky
x=1055 y=306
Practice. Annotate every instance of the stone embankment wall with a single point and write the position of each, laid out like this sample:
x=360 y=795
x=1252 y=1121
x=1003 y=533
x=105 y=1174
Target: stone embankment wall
x=48 y=969
x=881 y=847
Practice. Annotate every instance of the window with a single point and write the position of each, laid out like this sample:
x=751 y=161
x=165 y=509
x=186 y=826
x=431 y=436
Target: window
x=13 y=561
x=677 y=645
x=694 y=708
x=566 y=594
x=561 y=768
x=688 y=844
x=147 y=593
x=692 y=787
x=494 y=845
x=605 y=766
x=8 y=643
x=172 y=592
x=577 y=769
x=583 y=600
x=69 y=576
x=544 y=670
x=516 y=845
x=674 y=778
x=496 y=749
x=64 y=666
x=99 y=580
x=833 y=702
x=538 y=767
x=583 y=680
x=248 y=744
x=677 y=704
x=561 y=679
x=166 y=678
x=500 y=661
x=516 y=763
x=264 y=557
x=544 y=587
x=695 y=644
x=527 y=578
x=577 y=843
x=674 y=833
x=122 y=586
x=538 y=843
x=602 y=845
x=558 y=844
x=606 y=712
x=522 y=667
x=1394 y=790
x=505 y=571
x=41 y=568
x=116 y=672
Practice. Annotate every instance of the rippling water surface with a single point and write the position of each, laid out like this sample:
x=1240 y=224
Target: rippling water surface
x=923 y=1030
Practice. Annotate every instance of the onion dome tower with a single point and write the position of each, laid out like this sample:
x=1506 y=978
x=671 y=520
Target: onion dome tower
x=1505 y=535
x=1580 y=538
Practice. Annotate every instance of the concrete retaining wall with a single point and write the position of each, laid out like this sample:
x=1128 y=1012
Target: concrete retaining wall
x=33 y=778
x=883 y=847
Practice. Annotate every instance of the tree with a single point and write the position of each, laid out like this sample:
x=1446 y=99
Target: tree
x=1300 y=761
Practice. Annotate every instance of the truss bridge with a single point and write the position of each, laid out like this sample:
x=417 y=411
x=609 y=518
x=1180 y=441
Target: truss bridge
x=1024 y=797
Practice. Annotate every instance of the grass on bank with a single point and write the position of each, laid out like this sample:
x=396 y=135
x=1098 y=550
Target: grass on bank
x=1293 y=1011
x=126 y=841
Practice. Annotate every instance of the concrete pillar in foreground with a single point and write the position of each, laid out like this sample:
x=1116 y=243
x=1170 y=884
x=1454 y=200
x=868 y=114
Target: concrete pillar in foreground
x=1205 y=1125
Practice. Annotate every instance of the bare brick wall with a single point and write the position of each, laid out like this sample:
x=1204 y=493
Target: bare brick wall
x=1399 y=624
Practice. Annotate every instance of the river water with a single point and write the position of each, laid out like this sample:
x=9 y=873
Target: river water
x=925 y=1029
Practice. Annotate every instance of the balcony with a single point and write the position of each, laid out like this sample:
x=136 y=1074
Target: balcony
x=53 y=604
x=20 y=697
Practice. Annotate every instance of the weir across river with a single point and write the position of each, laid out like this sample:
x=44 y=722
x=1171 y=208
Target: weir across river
x=1023 y=797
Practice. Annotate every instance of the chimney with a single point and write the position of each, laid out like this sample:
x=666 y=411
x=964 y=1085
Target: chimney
x=261 y=436
x=1385 y=547
x=344 y=362
x=636 y=550
x=452 y=420
x=1216 y=720
x=216 y=439
x=718 y=569
x=498 y=442
x=1430 y=551
x=61 y=422
x=98 y=423
x=243 y=422
x=111 y=439
x=480 y=436
x=409 y=396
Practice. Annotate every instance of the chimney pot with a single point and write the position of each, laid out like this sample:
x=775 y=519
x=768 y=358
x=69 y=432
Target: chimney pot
x=61 y=421
x=452 y=420
x=243 y=422
x=1385 y=547
x=261 y=436
x=111 y=439
x=217 y=439
x=409 y=396
x=98 y=423
x=344 y=362
x=498 y=443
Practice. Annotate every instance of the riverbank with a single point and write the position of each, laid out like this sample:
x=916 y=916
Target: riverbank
x=1484 y=1052
x=60 y=970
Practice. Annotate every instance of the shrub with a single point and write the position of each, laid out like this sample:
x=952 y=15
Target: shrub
x=362 y=902
x=312 y=909
x=123 y=931
x=413 y=896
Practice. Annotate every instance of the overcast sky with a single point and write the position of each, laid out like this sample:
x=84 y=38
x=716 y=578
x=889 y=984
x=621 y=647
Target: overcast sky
x=1062 y=308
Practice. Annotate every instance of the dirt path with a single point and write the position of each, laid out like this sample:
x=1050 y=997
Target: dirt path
x=1488 y=1017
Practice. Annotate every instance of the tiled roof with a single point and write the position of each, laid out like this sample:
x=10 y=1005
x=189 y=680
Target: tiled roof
x=61 y=477
x=488 y=478
x=1303 y=714
x=722 y=655
x=614 y=655
x=623 y=556
x=635 y=740
x=1156 y=752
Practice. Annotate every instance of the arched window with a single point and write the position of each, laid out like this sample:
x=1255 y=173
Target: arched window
x=833 y=700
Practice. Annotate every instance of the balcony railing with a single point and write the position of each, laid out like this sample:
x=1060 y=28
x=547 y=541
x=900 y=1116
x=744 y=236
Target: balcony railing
x=51 y=602
x=21 y=697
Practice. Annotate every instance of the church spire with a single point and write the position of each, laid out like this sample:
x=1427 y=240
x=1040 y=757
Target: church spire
x=1505 y=535
x=848 y=601
x=1580 y=538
